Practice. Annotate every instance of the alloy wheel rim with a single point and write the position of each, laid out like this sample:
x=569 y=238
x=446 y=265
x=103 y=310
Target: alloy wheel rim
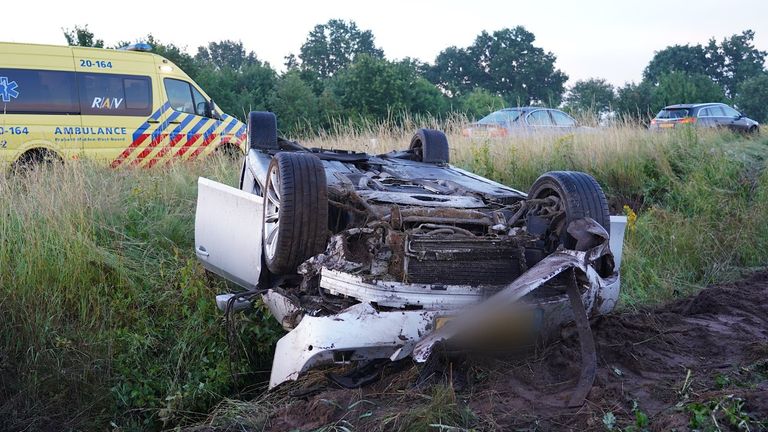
x=272 y=215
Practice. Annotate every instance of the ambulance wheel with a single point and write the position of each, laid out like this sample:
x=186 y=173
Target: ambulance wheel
x=36 y=159
x=295 y=211
x=262 y=130
x=229 y=151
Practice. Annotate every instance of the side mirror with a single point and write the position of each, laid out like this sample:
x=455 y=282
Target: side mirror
x=208 y=109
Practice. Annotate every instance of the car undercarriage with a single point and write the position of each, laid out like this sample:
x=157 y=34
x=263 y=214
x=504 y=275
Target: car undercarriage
x=366 y=257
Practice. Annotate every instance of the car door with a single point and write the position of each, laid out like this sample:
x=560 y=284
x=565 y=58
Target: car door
x=539 y=120
x=706 y=117
x=717 y=117
x=736 y=121
x=228 y=232
x=562 y=120
x=196 y=131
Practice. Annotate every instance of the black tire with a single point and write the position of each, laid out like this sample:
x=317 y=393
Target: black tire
x=262 y=130
x=581 y=196
x=430 y=146
x=754 y=130
x=298 y=229
x=230 y=151
x=36 y=159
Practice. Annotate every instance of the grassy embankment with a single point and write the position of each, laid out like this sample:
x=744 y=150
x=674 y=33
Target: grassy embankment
x=107 y=317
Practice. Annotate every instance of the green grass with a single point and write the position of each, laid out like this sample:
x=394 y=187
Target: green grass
x=108 y=318
x=105 y=310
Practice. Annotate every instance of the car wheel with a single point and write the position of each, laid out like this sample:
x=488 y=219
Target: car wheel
x=229 y=151
x=578 y=196
x=430 y=146
x=262 y=130
x=295 y=211
x=753 y=130
x=36 y=159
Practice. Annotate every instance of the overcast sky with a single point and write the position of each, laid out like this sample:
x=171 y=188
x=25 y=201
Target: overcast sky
x=590 y=38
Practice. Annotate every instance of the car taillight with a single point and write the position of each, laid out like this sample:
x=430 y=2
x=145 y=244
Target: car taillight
x=498 y=132
x=653 y=121
x=687 y=120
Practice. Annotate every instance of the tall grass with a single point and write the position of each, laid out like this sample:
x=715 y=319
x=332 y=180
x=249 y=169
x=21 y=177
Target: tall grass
x=107 y=316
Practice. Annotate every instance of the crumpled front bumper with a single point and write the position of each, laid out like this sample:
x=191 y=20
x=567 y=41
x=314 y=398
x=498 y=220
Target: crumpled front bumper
x=361 y=332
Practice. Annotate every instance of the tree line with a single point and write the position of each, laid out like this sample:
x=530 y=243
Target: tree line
x=339 y=74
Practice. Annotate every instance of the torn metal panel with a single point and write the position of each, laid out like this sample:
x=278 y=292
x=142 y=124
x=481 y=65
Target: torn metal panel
x=398 y=294
x=508 y=298
x=406 y=242
x=357 y=333
x=425 y=200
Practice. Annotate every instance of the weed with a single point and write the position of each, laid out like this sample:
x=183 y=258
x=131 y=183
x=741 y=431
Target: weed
x=725 y=411
x=107 y=316
x=442 y=411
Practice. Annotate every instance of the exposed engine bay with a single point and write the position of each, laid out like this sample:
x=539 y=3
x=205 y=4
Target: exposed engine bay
x=398 y=241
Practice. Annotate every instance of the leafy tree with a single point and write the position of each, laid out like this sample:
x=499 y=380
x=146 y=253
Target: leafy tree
x=594 y=95
x=735 y=60
x=728 y=63
x=752 y=97
x=634 y=101
x=329 y=108
x=505 y=63
x=334 y=45
x=225 y=54
x=239 y=91
x=175 y=54
x=454 y=71
x=294 y=103
x=83 y=37
x=679 y=87
x=291 y=62
x=479 y=103
x=421 y=96
x=376 y=88
x=689 y=59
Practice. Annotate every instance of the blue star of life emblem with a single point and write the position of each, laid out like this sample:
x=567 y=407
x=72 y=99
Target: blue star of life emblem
x=8 y=89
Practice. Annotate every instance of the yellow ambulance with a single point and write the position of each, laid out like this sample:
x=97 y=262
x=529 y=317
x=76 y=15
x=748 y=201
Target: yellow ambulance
x=125 y=107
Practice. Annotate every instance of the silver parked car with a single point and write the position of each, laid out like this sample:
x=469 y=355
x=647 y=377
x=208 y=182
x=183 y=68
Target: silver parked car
x=511 y=120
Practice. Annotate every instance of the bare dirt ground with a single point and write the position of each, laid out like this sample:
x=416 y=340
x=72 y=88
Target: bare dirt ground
x=698 y=363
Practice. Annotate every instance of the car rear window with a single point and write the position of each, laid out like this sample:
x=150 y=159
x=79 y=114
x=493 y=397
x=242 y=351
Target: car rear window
x=562 y=119
x=673 y=113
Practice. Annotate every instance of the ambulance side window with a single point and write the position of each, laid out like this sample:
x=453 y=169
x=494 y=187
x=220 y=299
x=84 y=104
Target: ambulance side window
x=24 y=91
x=180 y=95
x=138 y=93
x=117 y=95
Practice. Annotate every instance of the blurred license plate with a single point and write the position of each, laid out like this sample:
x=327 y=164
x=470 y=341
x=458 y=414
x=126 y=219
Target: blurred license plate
x=667 y=125
x=521 y=324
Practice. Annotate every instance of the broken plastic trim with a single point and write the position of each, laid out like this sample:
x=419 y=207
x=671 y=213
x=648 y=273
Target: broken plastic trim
x=400 y=333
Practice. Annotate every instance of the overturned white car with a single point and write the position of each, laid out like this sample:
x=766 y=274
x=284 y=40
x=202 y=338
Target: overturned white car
x=367 y=257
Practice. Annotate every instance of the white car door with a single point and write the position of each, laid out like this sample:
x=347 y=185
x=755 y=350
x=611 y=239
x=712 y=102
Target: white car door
x=228 y=231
